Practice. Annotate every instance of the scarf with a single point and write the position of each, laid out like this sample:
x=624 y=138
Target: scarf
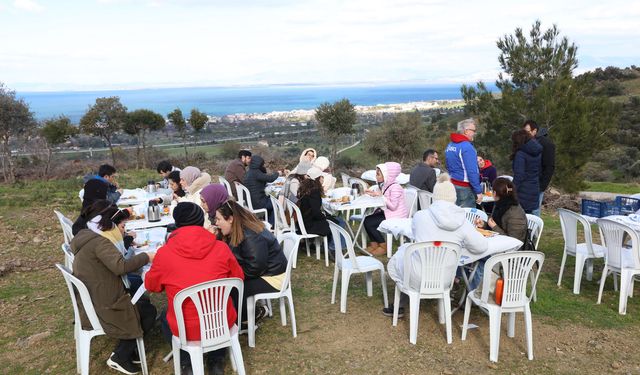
x=116 y=239
x=502 y=206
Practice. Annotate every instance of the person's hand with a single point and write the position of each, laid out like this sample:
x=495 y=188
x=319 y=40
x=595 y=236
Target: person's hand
x=119 y=190
x=132 y=234
x=286 y=172
x=372 y=193
x=491 y=223
x=157 y=200
x=151 y=255
x=478 y=198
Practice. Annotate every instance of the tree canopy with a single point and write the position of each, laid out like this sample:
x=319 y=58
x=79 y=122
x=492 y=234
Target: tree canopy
x=399 y=139
x=178 y=121
x=16 y=120
x=103 y=119
x=335 y=121
x=138 y=123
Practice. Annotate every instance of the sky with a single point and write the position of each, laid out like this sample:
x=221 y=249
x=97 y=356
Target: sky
x=128 y=44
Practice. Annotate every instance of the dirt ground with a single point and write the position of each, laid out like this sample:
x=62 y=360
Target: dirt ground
x=36 y=332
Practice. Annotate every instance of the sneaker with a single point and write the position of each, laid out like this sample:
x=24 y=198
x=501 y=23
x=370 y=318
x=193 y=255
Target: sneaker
x=388 y=311
x=124 y=366
x=261 y=313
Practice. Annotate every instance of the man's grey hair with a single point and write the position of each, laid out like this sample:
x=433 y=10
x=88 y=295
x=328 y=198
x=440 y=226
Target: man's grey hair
x=465 y=124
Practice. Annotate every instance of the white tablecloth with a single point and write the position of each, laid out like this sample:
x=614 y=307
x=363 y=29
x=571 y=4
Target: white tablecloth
x=275 y=187
x=361 y=203
x=132 y=197
x=144 y=223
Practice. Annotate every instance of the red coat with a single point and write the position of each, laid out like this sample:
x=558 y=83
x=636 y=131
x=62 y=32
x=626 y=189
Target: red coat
x=192 y=255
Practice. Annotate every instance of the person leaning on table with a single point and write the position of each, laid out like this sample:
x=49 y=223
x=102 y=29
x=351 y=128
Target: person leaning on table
x=99 y=263
x=192 y=255
x=442 y=221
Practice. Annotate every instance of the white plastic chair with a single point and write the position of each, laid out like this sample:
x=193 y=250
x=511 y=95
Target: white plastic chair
x=280 y=219
x=81 y=195
x=290 y=243
x=584 y=252
x=226 y=184
x=83 y=337
x=352 y=264
x=210 y=299
x=345 y=180
x=68 y=256
x=438 y=264
x=295 y=211
x=472 y=214
x=66 y=225
x=244 y=199
x=622 y=260
x=411 y=202
x=425 y=199
x=535 y=226
x=516 y=268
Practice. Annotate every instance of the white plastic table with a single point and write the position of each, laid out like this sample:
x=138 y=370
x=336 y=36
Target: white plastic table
x=156 y=238
x=132 y=197
x=365 y=203
x=145 y=223
x=275 y=187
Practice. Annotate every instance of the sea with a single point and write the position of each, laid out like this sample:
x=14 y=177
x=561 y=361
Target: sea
x=219 y=101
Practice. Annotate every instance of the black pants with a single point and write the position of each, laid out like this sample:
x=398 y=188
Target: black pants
x=185 y=359
x=251 y=288
x=371 y=224
x=147 y=311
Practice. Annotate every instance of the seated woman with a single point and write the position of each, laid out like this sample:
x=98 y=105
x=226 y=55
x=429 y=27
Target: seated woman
x=508 y=217
x=328 y=181
x=212 y=197
x=100 y=265
x=191 y=255
x=89 y=212
x=256 y=250
x=293 y=181
x=395 y=207
x=174 y=185
x=308 y=156
x=192 y=180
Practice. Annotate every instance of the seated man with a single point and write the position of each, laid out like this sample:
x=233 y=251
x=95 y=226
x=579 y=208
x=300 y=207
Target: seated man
x=442 y=221
x=423 y=175
x=192 y=255
x=107 y=175
x=164 y=169
x=236 y=169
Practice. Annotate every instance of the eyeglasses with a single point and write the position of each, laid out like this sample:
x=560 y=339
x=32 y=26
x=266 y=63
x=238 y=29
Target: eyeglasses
x=473 y=130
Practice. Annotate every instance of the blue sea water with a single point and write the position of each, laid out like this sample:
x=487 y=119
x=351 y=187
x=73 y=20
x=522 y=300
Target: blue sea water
x=229 y=100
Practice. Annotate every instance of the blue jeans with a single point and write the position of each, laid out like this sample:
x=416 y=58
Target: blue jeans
x=465 y=197
x=331 y=242
x=537 y=210
x=269 y=207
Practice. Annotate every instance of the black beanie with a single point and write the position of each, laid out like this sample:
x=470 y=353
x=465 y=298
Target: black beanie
x=187 y=213
x=94 y=190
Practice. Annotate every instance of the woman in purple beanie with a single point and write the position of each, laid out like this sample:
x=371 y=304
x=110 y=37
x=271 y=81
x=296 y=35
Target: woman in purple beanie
x=212 y=197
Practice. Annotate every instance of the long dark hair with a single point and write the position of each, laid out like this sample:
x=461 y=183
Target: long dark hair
x=519 y=138
x=112 y=216
x=242 y=219
x=504 y=189
x=309 y=186
x=175 y=177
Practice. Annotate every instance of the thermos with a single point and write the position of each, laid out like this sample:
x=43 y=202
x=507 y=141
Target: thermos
x=153 y=212
x=151 y=186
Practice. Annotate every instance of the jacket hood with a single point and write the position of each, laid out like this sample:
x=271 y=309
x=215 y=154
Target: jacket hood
x=199 y=183
x=193 y=242
x=487 y=164
x=315 y=155
x=532 y=147
x=446 y=215
x=256 y=162
x=390 y=171
x=459 y=138
x=542 y=132
x=81 y=239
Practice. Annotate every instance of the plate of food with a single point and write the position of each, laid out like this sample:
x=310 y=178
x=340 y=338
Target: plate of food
x=486 y=232
x=344 y=199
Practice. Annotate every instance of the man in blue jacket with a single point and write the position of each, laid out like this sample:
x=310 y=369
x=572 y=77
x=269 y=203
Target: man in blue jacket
x=462 y=164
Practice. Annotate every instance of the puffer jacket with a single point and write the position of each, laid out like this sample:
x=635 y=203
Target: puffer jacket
x=514 y=223
x=259 y=254
x=526 y=174
x=395 y=206
x=256 y=180
x=462 y=163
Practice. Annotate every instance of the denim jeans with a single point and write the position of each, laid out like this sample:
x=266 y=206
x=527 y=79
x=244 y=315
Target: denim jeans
x=465 y=197
x=537 y=210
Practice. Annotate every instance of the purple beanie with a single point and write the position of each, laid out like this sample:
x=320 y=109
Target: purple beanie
x=215 y=195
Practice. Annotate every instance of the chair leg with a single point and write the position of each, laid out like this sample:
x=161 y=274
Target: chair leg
x=316 y=241
x=85 y=353
x=175 y=348
x=447 y=316
x=615 y=281
x=494 y=334
x=624 y=291
x=346 y=275
x=440 y=311
x=465 y=322
x=368 y=277
x=396 y=306
x=326 y=251
x=414 y=310
x=143 y=356
x=76 y=335
x=511 y=325
x=389 y=244
x=580 y=260
x=306 y=243
x=336 y=273
x=251 y=321
x=564 y=260
x=268 y=302
x=589 y=263
x=603 y=279
x=236 y=351
x=383 y=281
x=528 y=324
x=283 y=312
x=292 y=312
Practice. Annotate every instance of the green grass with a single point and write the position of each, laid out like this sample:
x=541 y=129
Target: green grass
x=614 y=187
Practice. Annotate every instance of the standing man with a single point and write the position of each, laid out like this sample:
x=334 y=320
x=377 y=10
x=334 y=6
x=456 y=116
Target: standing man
x=236 y=169
x=164 y=168
x=423 y=176
x=548 y=157
x=462 y=164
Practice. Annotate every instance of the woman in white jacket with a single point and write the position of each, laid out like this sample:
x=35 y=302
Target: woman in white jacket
x=442 y=221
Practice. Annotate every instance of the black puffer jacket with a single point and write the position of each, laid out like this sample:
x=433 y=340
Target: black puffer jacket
x=548 y=158
x=256 y=180
x=526 y=174
x=314 y=220
x=259 y=254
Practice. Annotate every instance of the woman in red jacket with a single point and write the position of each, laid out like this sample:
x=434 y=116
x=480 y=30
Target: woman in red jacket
x=192 y=255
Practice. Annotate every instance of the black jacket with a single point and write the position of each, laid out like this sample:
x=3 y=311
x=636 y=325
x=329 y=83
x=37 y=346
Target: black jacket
x=548 y=158
x=256 y=180
x=314 y=220
x=526 y=174
x=423 y=177
x=259 y=254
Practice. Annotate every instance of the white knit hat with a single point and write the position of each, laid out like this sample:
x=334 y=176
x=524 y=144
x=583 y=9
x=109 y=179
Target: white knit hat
x=444 y=189
x=322 y=163
x=314 y=173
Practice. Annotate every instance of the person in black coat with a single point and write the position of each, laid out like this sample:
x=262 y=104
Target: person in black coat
x=256 y=180
x=256 y=249
x=548 y=156
x=526 y=162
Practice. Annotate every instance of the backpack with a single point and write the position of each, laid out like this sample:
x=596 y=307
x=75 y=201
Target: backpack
x=528 y=244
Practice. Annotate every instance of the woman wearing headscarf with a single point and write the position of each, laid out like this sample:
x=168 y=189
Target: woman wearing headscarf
x=328 y=181
x=100 y=264
x=211 y=198
x=193 y=181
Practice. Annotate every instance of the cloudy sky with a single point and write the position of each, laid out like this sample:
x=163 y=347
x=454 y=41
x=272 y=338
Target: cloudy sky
x=105 y=44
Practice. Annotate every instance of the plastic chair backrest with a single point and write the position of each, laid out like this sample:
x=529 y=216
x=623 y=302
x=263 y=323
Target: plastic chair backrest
x=66 y=225
x=535 y=225
x=363 y=186
x=85 y=298
x=510 y=178
x=81 y=195
x=280 y=219
x=438 y=264
x=569 y=223
x=473 y=213
x=411 y=200
x=345 y=180
x=210 y=299
x=425 y=198
x=244 y=197
x=289 y=243
x=613 y=234
x=337 y=232
x=68 y=256
x=226 y=184
x=516 y=267
x=295 y=210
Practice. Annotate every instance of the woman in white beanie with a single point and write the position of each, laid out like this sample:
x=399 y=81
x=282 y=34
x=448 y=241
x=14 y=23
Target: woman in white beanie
x=328 y=181
x=442 y=221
